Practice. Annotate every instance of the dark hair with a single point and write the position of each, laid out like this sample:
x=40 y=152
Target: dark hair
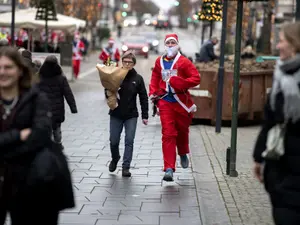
x=13 y=54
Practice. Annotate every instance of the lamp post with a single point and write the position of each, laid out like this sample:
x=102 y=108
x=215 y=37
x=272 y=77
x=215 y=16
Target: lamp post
x=221 y=69
x=12 y=28
x=235 y=94
x=297 y=13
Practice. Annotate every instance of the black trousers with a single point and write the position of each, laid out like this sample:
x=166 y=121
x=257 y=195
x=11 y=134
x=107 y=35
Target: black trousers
x=30 y=216
x=24 y=208
x=285 y=216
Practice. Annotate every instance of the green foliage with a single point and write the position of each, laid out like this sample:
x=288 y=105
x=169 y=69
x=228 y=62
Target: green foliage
x=211 y=10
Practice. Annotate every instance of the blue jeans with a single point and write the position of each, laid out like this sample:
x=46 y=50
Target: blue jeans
x=116 y=127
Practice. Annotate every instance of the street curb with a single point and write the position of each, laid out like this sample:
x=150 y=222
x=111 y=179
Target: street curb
x=207 y=176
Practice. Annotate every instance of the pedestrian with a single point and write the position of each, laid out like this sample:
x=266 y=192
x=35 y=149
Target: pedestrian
x=126 y=114
x=110 y=53
x=172 y=76
x=55 y=85
x=78 y=49
x=276 y=153
x=25 y=127
x=207 y=52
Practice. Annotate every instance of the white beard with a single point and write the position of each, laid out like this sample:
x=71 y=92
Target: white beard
x=172 y=51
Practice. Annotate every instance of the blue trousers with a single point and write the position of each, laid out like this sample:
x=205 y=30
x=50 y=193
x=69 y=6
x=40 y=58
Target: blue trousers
x=116 y=127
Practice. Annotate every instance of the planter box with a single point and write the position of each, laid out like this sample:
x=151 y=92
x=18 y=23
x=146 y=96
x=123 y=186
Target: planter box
x=252 y=94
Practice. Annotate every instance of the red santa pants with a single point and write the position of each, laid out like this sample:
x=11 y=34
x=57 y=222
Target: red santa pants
x=175 y=122
x=76 y=67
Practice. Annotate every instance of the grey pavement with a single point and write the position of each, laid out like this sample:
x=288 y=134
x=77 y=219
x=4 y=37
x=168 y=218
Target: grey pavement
x=245 y=198
x=199 y=195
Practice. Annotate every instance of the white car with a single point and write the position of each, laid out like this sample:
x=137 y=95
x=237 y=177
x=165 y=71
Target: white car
x=130 y=21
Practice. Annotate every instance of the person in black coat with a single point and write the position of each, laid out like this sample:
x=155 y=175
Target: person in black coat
x=278 y=168
x=126 y=114
x=55 y=85
x=207 y=52
x=25 y=128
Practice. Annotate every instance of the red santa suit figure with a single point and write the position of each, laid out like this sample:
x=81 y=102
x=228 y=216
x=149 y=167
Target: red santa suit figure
x=78 y=48
x=172 y=76
x=110 y=52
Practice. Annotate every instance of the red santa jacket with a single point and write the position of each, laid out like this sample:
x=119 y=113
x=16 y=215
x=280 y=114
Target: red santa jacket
x=115 y=56
x=187 y=77
x=78 y=48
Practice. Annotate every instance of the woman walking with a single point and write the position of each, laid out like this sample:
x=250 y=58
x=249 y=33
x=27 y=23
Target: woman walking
x=55 y=85
x=25 y=129
x=277 y=146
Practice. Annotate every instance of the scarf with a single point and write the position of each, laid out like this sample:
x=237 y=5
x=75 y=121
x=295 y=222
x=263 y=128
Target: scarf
x=286 y=80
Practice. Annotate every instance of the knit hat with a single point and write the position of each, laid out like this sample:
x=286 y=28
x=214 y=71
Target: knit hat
x=111 y=41
x=130 y=54
x=171 y=37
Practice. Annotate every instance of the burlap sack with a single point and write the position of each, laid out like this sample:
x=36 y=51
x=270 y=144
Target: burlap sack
x=111 y=78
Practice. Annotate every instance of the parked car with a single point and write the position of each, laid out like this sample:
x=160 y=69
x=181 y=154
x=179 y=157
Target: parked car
x=137 y=43
x=130 y=21
x=152 y=39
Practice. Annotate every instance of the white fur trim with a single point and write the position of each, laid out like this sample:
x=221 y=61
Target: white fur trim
x=171 y=38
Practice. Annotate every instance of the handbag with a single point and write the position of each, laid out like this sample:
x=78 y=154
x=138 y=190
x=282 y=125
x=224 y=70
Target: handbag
x=275 y=142
x=49 y=172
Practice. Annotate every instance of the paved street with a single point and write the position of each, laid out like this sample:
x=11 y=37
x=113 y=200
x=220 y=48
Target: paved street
x=200 y=195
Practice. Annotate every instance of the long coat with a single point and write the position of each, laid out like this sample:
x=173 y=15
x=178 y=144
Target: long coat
x=16 y=157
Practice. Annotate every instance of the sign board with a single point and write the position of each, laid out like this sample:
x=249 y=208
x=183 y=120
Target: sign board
x=67 y=69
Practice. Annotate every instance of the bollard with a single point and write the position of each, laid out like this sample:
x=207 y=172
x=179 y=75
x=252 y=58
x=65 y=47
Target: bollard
x=228 y=161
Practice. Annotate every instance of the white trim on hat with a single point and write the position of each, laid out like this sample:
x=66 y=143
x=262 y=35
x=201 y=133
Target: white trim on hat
x=171 y=38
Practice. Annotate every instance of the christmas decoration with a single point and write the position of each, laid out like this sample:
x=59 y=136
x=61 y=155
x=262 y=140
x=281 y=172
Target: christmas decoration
x=211 y=10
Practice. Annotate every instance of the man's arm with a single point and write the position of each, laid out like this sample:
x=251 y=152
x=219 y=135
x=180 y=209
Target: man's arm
x=143 y=98
x=211 y=51
x=155 y=78
x=186 y=83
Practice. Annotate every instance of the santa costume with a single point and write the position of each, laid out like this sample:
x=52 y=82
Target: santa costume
x=78 y=48
x=110 y=52
x=172 y=76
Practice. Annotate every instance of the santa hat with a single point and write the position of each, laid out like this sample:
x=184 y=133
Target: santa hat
x=111 y=41
x=171 y=37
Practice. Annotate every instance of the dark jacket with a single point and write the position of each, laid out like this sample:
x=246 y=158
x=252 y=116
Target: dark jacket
x=132 y=86
x=207 y=52
x=281 y=178
x=56 y=86
x=16 y=156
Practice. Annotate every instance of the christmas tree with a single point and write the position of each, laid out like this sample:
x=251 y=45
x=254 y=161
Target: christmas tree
x=211 y=10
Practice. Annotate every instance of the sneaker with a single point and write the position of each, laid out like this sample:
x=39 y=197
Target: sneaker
x=168 y=175
x=126 y=173
x=113 y=165
x=184 y=161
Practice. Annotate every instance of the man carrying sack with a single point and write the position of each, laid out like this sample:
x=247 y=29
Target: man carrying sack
x=123 y=109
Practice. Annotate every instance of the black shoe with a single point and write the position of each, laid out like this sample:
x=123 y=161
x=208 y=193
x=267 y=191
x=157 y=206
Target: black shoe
x=126 y=173
x=113 y=165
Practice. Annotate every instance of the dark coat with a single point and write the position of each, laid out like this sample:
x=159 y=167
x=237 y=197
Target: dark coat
x=281 y=178
x=207 y=52
x=16 y=156
x=132 y=85
x=56 y=86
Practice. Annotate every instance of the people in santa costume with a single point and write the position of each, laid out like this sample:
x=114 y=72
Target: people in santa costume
x=110 y=52
x=78 y=48
x=172 y=76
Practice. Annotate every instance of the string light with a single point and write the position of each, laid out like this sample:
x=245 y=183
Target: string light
x=211 y=10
